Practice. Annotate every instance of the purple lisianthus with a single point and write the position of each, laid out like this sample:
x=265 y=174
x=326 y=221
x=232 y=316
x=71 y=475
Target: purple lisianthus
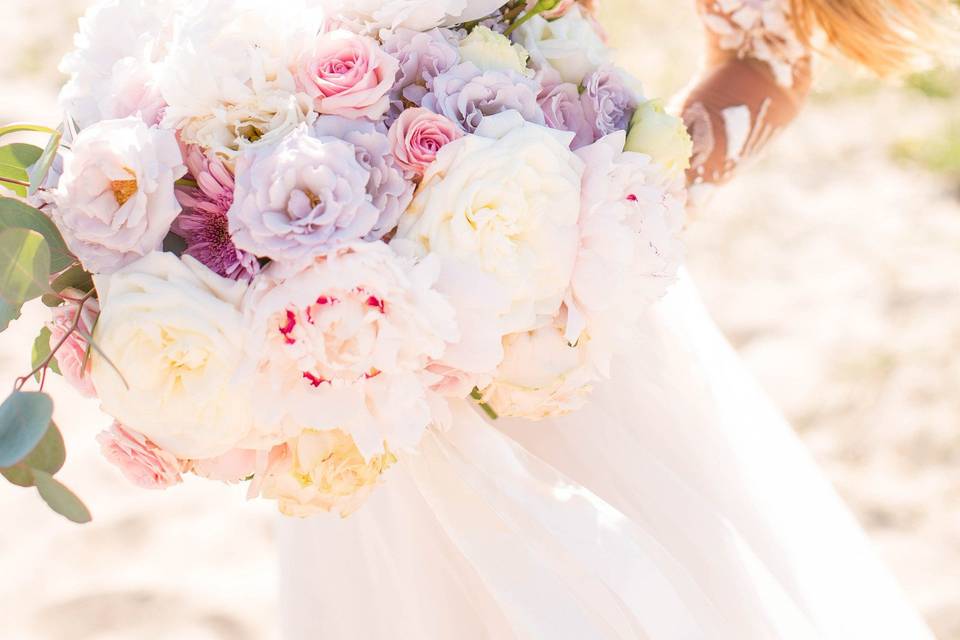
x=466 y=95
x=389 y=191
x=300 y=198
x=203 y=224
x=563 y=109
x=609 y=101
x=423 y=56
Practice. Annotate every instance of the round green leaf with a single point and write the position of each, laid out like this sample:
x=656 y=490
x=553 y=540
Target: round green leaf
x=24 y=419
x=24 y=270
x=17 y=215
x=61 y=499
x=47 y=456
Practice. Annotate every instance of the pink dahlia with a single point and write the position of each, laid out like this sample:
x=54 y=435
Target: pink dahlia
x=203 y=225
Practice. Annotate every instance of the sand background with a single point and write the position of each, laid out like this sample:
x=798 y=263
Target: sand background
x=833 y=264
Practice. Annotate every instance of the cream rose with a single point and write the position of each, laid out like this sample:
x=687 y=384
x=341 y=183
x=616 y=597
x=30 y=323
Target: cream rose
x=115 y=200
x=492 y=51
x=506 y=201
x=656 y=133
x=174 y=331
x=570 y=45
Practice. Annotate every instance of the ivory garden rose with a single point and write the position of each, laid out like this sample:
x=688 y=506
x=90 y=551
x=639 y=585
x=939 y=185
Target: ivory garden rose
x=516 y=220
x=175 y=338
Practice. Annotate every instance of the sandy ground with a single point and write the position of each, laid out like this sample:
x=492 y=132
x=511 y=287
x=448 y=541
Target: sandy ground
x=832 y=267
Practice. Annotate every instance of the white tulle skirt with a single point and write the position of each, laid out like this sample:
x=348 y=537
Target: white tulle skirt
x=679 y=505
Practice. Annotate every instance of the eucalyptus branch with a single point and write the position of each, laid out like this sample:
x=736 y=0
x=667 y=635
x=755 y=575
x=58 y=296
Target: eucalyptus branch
x=19 y=183
x=45 y=363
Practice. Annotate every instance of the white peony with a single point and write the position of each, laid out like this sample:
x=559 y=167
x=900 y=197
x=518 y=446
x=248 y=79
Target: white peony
x=112 y=70
x=570 y=45
x=492 y=51
x=115 y=200
x=174 y=331
x=345 y=343
x=227 y=80
x=373 y=16
x=630 y=245
x=505 y=201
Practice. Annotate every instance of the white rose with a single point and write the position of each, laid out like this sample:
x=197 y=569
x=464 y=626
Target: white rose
x=505 y=201
x=656 y=133
x=174 y=330
x=541 y=376
x=345 y=343
x=492 y=51
x=373 y=16
x=570 y=45
x=115 y=199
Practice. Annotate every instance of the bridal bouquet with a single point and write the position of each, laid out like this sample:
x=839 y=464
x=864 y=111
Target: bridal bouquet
x=276 y=239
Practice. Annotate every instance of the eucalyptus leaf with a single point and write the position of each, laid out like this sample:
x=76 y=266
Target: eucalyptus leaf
x=25 y=127
x=17 y=215
x=49 y=456
x=24 y=270
x=38 y=172
x=41 y=351
x=24 y=419
x=15 y=160
x=60 y=499
x=76 y=277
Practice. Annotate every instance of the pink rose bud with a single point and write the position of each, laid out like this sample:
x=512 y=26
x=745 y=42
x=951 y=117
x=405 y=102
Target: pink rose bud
x=141 y=461
x=347 y=75
x=417 y=136
x=72 y=355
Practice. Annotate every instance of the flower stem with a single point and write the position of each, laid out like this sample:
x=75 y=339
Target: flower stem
x=20 y=382
x=540 y=7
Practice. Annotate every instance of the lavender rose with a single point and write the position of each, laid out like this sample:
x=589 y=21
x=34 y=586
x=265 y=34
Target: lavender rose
x=422 y=57
x=564 y=110
x=609 y=100
x=300 y=198
x=389 y=190
x=466 y=95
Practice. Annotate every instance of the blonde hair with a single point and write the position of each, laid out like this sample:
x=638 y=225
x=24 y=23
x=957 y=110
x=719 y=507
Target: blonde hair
x=886 y=36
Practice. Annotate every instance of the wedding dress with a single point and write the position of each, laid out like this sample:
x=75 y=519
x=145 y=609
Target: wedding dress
x=677 y=506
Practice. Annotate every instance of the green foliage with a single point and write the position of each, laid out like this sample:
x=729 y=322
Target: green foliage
x=60 y=499
x=939 y=153
x=17 y=215
x=73 y=278
x=38 y=172
x=41 y=352
x=938 y=83
x=24 y=419
x=24 y=271
x=15 y=159
x=49 y=456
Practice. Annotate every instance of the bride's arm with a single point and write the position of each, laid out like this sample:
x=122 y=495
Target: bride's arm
x=756 y=77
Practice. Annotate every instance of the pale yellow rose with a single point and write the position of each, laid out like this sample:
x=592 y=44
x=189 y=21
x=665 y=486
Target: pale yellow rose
x=492 y=51
x=321 y=471
x=656 y=133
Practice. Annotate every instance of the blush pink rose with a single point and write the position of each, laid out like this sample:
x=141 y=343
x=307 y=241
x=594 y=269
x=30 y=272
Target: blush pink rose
x=347 y=75
x=141 y=461
x=72 y=357
x=231 y=467
x=417 y=136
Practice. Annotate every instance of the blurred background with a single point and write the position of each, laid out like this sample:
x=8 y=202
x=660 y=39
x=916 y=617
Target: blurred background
x=833 y=265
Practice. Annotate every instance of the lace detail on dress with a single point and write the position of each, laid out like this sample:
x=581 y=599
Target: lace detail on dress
x=759 y=29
